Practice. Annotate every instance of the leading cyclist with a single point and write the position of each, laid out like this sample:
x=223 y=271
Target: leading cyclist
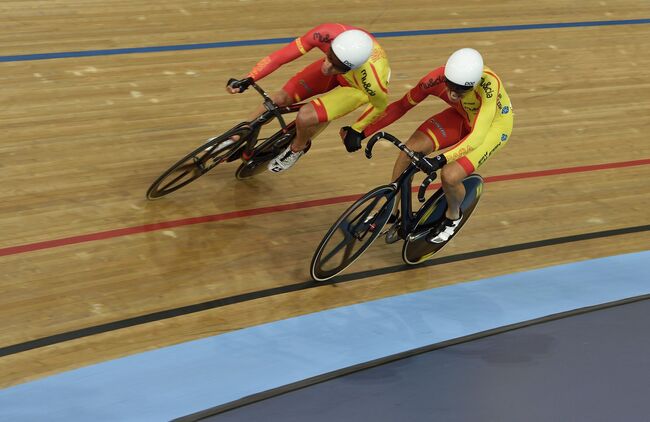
x=464 y=136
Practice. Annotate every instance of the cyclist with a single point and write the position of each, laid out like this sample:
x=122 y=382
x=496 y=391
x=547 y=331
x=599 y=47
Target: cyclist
x=463 y=136
x=354 y=72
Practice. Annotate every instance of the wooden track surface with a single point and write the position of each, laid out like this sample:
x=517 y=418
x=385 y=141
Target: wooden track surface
x=84 y=138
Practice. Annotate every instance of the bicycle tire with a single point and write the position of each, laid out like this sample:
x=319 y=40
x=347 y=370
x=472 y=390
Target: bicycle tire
x=355 y=228
x=264 y=153
x=416 y=249
x=198 y=162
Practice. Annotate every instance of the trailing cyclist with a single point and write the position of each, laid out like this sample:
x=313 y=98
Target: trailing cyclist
x=354 y=72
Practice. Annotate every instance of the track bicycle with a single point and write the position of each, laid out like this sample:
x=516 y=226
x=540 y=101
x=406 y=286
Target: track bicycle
x=242 y=142
x=358 y=227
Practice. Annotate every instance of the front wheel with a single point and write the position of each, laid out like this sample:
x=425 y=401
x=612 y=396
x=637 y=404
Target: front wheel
x=353 y=233
x=198 y=162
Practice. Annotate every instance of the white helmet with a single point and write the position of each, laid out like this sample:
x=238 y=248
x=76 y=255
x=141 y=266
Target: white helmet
x=352 y=47
x=464 y=67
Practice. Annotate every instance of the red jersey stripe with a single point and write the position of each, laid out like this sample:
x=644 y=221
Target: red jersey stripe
x=374 y=71
x=365 y=113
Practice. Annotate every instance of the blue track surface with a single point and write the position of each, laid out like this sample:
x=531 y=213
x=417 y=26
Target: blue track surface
x=182 y=379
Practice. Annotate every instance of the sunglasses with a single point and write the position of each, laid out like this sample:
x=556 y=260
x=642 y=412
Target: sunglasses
x=457 y=88
x=336 y=63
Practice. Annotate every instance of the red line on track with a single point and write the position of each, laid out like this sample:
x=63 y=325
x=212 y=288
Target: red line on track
x=13 y=250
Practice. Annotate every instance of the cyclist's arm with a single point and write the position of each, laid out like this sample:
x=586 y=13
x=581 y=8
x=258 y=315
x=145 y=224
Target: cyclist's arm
x=375 y=87
x=319 y=36
x=276 y=59
x=481 y=125
x=393 y=112
x=413 y=97
x=376 y=107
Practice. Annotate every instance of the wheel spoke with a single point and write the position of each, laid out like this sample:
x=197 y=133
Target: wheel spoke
x=197 y=163
x=348 y=251
x=348 y=239
x=177 y=178
x=366 y=212
x=359 y=226
x=360 y=231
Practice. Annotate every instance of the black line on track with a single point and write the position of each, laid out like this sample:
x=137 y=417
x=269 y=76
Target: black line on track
x=217 y=303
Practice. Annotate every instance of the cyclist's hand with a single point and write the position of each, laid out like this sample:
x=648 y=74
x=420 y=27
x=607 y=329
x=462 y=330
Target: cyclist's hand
x=351 y=138
x=433 y=164
x=234 y=86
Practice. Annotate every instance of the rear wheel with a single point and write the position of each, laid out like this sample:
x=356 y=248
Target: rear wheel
x=416 y=248
x=198 y=162
x=263 y=153
x=353 y=233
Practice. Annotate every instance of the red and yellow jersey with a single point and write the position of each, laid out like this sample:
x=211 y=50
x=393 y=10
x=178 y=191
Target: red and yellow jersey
x=371 y=78
x=485 y=106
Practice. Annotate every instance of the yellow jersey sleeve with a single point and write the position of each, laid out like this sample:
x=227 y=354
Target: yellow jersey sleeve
x=372 y=78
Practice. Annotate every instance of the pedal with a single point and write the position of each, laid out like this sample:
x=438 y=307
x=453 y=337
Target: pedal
x=419 y=235
x=247 y=155
x=237 y=154
x=281 y=143
x=393 y=234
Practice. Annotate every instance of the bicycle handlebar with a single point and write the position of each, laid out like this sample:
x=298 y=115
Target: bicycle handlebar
x=417 y=158
x=420 y=161
x=271 y=106
x=262 y=93
x=387 y=136
x=243 y=84
x=423 y=187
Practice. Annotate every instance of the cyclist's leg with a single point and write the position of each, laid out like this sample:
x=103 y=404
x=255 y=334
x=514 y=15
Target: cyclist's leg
x=334 y=104
x=438 y=133
x=453 y=174
x=305 y=84
x=311 y=119
x=417 y=142
x=308 y=82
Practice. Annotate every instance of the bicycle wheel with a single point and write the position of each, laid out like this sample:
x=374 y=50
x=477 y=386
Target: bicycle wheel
x=353 y=233
x=416 y=249
x=264 y=153
x=200 y=161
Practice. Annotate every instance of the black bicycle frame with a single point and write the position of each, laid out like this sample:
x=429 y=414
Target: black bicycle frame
x=272 y=111
x=403 y=184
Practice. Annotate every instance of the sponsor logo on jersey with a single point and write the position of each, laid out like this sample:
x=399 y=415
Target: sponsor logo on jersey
x=440 y=128
x=322 y=37
x=487 y=88
x=504 y=137
x=505 y=110
x=306 y=86
x=366 y=84
x=432 y=82
x=488 y=154
x=483 y=158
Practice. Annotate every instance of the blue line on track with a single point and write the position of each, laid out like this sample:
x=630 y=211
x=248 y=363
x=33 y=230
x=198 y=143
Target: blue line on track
x=268 y=41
